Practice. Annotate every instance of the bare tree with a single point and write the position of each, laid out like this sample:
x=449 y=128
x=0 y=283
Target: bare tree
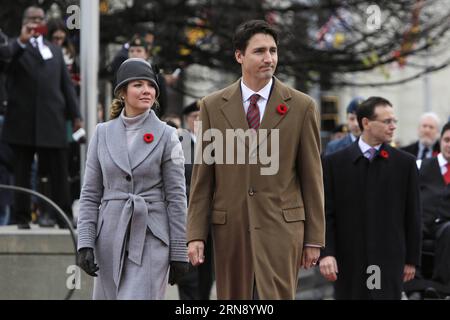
x=321 y=40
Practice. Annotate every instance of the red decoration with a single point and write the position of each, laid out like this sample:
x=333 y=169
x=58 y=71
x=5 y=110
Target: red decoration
x=282 y=109
x=148 y=138
x=384 y=154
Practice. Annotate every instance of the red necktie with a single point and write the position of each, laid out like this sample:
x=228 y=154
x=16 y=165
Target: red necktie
x=447 y=174
x=253 y=112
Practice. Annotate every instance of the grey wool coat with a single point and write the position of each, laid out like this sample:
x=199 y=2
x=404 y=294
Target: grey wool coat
x=133 y=209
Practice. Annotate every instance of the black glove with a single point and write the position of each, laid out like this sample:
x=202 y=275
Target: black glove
x=85 y=259
x=177 y=270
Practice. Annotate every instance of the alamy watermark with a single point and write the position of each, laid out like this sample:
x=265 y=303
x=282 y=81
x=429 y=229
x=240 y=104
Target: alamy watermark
x=373 y=21
x=374 y=280
x=234 y=146
x=73 y=281
x=74 y=18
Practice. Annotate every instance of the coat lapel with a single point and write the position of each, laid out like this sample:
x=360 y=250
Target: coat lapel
x=279 y=95
x=116 y=142
x=233 y=108
x=141 y=150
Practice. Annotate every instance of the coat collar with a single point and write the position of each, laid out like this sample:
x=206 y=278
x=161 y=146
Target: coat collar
x=116 y=142
x=36 y=51
x=233 y=108
x=356 y=153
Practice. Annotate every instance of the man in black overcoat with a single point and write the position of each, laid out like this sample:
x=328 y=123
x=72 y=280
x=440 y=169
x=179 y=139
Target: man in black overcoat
x=434 y=179
x=373 y=211
x=41 y=97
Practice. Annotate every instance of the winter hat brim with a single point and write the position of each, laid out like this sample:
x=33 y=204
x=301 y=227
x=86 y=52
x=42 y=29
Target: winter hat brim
x=135 y=69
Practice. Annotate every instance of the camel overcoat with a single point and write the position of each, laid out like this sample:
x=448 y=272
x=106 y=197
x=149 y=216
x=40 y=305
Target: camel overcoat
x=260 y=222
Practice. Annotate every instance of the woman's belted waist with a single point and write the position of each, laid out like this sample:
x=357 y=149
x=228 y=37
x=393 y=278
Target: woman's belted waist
x=135 y=209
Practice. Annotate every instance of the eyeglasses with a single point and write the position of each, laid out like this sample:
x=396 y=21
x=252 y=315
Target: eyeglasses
x=35 y=18
x=56 y=38
x=387 y=121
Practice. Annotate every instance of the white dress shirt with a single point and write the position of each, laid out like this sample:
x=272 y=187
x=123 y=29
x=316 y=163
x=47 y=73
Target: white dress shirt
x=442 y=163
x=364 y=147
x=38 y=43
x=264 y=94
x=420 y=154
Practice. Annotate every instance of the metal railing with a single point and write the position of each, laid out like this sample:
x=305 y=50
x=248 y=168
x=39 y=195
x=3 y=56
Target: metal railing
x=60 y=213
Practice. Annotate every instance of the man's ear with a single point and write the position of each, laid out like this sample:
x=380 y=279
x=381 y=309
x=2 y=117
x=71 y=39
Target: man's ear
x=238 y=55
x=365 y=122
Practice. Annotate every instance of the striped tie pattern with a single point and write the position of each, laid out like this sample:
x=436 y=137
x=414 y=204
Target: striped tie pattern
x=371 y=153
x=253 y=112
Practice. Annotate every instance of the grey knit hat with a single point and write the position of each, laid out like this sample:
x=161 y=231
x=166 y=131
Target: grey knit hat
x=135 y=69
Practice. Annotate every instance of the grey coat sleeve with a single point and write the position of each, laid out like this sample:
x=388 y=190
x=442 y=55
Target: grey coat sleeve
x=91 y=195
x=175 y=191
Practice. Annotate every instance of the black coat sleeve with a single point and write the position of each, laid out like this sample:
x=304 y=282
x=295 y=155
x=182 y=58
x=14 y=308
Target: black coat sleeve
x=413 y=218
x=68 y=89
x=330 y=234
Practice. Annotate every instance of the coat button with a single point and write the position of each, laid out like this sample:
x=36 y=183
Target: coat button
x=251 y=192
x=128 y=178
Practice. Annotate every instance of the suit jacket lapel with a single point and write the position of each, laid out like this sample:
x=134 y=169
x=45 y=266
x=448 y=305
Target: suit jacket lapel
x=141 y=150
x=116 y=142
x=34 y=51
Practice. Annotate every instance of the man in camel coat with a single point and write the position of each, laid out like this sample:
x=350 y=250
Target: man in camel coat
x=267 y=217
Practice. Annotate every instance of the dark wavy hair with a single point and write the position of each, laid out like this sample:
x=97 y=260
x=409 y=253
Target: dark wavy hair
x=248 y=29
x=367 y=108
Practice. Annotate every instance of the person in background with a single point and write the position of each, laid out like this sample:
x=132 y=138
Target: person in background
x=173 y=119
x=428 y=144
x=132 y=218
x=35 y=120
x=339 y=132
x=6 y=154
x=58 y=34
x=373 y=231
x=434 y=177
x=352 y=124
x=197 y=284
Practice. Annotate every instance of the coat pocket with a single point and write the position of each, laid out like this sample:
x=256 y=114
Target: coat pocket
x=99 y=226
x=219 y=217
x=100 y=218
x=294 y=214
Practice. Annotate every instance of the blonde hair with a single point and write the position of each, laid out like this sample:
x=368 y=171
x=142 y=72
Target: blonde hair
x=118 y=104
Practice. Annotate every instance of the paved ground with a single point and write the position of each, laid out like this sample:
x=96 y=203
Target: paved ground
x=172 y=293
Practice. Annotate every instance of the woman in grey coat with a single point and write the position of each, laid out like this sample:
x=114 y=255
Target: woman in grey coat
x=133 y=202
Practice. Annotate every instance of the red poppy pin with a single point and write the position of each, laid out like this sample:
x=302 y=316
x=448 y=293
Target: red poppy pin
x=384 y=154
x=435 y=154
x=282 y=109
x=148 y=138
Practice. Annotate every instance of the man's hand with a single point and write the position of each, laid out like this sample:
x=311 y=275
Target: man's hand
x=28 y=31
x=310 y=256
x=85 y=259
x=196 y=251
x=77 y=124
x=177 y=270
x=408 y=272
x=328 y=268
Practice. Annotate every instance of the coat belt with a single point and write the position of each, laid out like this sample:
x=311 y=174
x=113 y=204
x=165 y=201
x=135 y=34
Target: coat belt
x=134 y=210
